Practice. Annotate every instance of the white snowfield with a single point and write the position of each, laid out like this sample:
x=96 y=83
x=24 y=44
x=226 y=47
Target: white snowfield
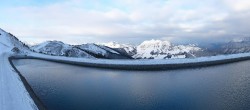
x=13 y=95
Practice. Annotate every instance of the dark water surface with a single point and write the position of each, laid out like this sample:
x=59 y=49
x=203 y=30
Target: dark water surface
x=68 y=87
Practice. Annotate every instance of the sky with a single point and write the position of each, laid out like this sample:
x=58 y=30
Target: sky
x=126 y=21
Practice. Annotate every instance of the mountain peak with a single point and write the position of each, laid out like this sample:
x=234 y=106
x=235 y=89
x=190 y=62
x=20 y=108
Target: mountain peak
x=7 y=39
x=10 y=41
x=158 y=49
x=155 y=44
x=116 y=45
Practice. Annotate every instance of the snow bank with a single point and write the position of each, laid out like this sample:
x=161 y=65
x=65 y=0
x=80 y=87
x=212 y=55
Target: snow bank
x=13 y=93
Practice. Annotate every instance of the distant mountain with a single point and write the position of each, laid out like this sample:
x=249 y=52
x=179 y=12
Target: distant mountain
x=123 y=48
x=59 y=48
x=101 y=51
x=157 y=49
x=239 y=45
x=153 y=49
x=236 y=46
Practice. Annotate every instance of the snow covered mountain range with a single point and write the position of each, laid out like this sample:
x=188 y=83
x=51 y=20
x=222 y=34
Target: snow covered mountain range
x=235 y=46
x=90 y=50
x=157 y=49
x=153 y=49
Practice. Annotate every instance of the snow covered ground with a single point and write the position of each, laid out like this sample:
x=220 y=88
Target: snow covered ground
x=13 y=95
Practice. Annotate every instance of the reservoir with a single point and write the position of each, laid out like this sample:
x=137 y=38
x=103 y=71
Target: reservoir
x=69 y=87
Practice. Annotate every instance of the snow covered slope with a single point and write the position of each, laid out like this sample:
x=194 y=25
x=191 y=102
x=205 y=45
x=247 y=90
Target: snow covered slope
x=13 y=95
x=153 y=49
x=157 y=49
x=93 y=48
x=58 y=48
x=128 y=49
x=101 y=51
x=237 y=46
x=10 y=41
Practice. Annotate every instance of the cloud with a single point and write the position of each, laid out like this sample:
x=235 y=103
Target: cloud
x=128 y=21
x=240 y=5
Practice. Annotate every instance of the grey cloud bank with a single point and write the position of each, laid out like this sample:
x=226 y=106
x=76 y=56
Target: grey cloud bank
x=128 y=21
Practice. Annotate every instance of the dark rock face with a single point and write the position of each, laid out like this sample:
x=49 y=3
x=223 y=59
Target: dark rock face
x=15 y=50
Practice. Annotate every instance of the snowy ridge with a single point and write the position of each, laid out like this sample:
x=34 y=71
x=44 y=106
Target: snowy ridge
x=58 y=48
x=113 y=45
x=89 y=50
x=13 y=95
x=108 y=49
x=10 y=41
x=38 y=47
x=129 y=49
x=100 y=51
x=93 y=48
x=157 y=49
x=152 y=49
x=241 y=45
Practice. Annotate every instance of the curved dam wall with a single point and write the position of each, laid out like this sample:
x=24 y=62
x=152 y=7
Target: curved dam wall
x=145 y=64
